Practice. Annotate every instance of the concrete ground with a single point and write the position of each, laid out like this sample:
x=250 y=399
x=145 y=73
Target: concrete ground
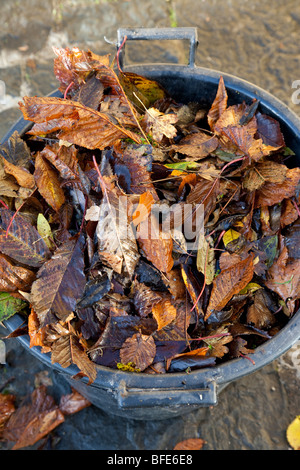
x=257 y=41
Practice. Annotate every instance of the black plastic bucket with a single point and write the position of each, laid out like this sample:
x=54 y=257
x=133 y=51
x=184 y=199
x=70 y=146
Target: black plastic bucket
x=160 y=396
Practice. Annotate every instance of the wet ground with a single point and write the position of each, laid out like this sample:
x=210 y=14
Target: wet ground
x=257 y=41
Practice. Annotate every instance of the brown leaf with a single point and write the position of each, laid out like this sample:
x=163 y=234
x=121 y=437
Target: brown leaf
x=156 y=245
x=258 y=314
x=7 y=408
x=13 y=277
x=64 y=159
x=60 y=283
x=21 y=242
x=87 y=127
x=190 y=444
x=39 y=427
x=139 y=349
x=67 y=350
x=284 y=278
x=74 y=65
x=268 y=129
x=24 y=177
x=263 y=172
x=196 y=145
x=219 y=104
x=72 y=403
x=33 y=419
x=48 y=183
x=273 y=193
x=117 y=244
x=228 y=283
x=160 y=125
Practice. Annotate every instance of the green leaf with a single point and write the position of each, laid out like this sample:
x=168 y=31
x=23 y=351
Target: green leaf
x=10 y=305
x=183 y=166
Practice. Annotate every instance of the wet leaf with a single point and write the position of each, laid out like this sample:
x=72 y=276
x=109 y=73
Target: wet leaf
x=23 y=177
x=116 y=240
x=164 y=313
x=139 y=349
x=44 y=229
x=13 y=277
x=10 y=305
x=205 y=259
x=48 y=183
x=21 y=241
x=60 y=282
x=284 y=278
x=156 y=245
x=7 y=408
x=229 y=282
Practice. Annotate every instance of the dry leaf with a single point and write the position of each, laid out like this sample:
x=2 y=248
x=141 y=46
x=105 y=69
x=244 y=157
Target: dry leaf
x=196 y=145
x=219 y=104
x=190 y=444
x=160 y=125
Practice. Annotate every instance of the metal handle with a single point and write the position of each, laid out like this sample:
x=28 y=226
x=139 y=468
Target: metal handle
x=150 y=34
x=149 y=398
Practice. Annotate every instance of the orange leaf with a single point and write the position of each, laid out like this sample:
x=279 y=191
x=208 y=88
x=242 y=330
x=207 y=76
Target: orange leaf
x=190 y=444
x=164 y=313
x=23 y=177
x=48 y=183
x=143 y=209
x=156 y=245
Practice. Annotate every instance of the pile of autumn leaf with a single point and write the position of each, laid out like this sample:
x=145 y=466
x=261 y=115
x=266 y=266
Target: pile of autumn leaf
x=93 y=296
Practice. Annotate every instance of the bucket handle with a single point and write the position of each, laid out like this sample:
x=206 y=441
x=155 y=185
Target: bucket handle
x=142 y=398
x=148 y=34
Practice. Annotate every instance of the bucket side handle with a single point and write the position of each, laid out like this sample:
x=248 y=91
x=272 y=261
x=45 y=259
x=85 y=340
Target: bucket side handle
x=159 y=398
x=148 y=34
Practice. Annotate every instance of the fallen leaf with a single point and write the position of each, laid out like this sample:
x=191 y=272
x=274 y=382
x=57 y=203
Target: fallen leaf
x=190 y=444
x=274 y=193
x=48 y=183
x=219 y=104
x=293 y=433
x=156 y=245
x=60 y=283
x=229 y=282
x=284 y=278
x=21 y=241
x=14 y=277
x=205 y=258
x=139 y=349
x=196 y=145
x=160 y=125
x=164 y=313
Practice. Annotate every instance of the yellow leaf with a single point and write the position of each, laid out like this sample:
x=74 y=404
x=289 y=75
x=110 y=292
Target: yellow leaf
x=251 y=287
x=293 y=433
x=230 y=236
x=44 y=229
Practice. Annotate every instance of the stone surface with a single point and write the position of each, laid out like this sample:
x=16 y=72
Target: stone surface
x=257 y=41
